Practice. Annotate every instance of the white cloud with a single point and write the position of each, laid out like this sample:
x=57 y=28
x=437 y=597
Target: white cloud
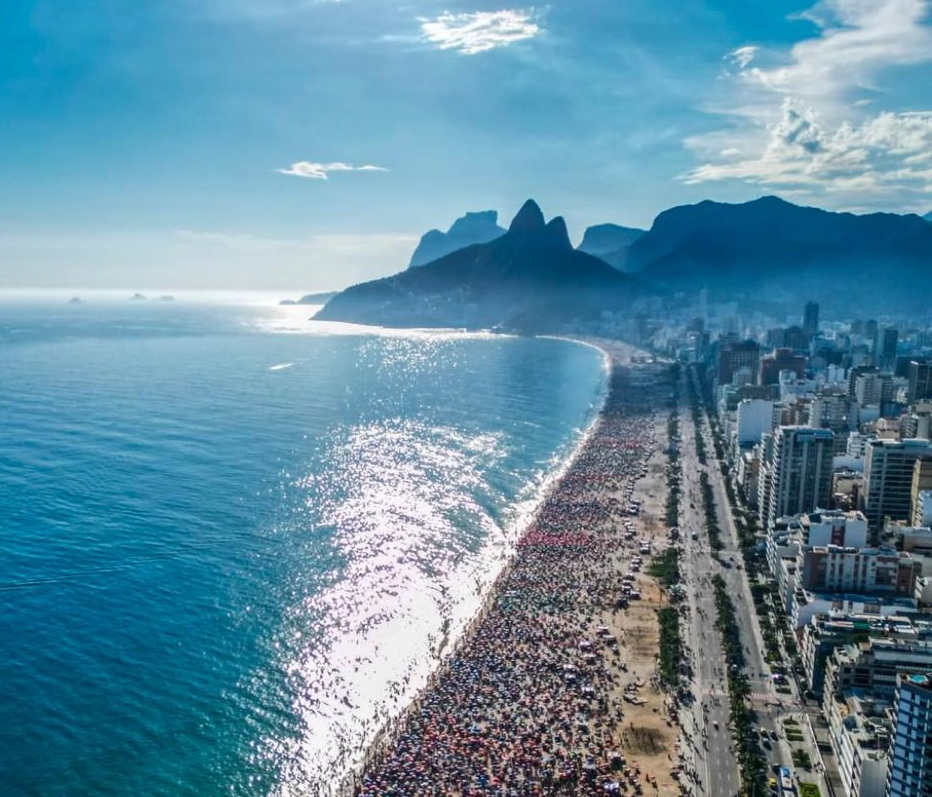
x=742 y=56
x=859 y=40
x=806 y=119
x=885 y=153
x=479 y=31
x=319 y=171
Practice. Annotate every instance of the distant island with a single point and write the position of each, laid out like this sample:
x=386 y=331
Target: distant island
x=166 y=298
x=76 y=300
x=137 y=297
x=310 y=298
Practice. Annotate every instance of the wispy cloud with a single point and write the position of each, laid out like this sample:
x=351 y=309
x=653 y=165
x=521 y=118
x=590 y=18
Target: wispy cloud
x=742 y=56
x=858 y=40
x=477 y=32
x=320 y=171
x=801 y=119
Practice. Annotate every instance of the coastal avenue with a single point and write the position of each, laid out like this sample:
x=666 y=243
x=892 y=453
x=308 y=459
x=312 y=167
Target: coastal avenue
x=718 y=760
x=717 y=751
x=709 y=743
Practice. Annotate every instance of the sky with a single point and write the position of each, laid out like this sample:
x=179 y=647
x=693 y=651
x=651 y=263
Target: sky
x=302 y=145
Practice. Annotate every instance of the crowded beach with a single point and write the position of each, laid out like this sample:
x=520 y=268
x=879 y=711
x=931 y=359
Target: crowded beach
x=554 y=688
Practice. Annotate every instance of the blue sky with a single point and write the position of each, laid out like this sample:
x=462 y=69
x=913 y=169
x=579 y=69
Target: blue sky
x=306 y=144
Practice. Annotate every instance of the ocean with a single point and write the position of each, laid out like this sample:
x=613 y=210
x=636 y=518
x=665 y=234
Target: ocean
x=234 y=542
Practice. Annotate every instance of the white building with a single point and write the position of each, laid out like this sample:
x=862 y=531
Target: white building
x=805 y=605
x=922 y=512
x=863 y=571
x=859 y=736
x=801 y=471
x=834 y=527
x=857 y=445
x=753 y=418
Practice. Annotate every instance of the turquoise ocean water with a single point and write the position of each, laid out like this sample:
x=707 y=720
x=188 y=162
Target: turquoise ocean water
x=233 y=542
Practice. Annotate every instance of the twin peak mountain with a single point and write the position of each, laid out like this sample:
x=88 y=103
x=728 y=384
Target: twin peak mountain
x=529 y=278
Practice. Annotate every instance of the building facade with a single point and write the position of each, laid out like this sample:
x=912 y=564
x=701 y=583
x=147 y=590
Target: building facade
x=910 y=771
x=920 y=492
x=865 y=571
x=800 y=471
x=919 y=380
x=888 y=478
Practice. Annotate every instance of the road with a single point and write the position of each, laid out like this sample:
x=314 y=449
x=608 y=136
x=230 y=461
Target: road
x=708 y=741
x=772 y=708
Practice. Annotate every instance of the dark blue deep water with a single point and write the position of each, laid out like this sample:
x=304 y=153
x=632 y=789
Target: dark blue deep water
x=233 y=542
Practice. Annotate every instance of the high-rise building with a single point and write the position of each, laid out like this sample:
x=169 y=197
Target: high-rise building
x=910 y=772
x=873 y=389
x=780 y=360
x=888 y=478
x=889 y=337
x=800 y=472
x=920 y=380
x=735 y=355
x=776 y=338
x=921 y=483
x=811 y=319
x=831 y=409
x=918 y=422
x=857 y=371
x=753 y=418
x=796 y=339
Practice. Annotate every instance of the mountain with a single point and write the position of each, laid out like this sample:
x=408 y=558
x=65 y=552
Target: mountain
x=310 y=298
x=530 y=279
x=770 y=248
x=473 y=228
x=610 y=242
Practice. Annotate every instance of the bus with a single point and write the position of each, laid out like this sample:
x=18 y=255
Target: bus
x=785 y=780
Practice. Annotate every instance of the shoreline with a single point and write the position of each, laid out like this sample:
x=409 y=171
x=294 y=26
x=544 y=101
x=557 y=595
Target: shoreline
x=574 y=535
x=384 y=735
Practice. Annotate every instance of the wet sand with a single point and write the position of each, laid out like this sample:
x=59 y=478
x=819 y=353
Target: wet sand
x=553 y=689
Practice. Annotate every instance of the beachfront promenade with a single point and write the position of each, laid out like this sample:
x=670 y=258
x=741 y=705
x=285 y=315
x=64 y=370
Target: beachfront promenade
x=554 y=689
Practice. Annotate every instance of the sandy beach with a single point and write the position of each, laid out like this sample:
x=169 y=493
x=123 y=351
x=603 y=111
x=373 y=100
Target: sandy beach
x=554 y=688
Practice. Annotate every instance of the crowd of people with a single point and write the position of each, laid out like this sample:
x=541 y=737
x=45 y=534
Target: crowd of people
x=531 y=702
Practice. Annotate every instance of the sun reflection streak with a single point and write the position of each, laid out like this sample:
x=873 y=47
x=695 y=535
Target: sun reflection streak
x=409 y=508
